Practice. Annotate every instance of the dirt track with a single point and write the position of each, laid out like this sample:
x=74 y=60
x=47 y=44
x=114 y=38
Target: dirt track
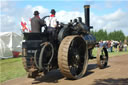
x=115 y=74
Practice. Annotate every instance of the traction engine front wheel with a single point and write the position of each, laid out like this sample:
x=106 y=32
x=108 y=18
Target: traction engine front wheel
x=73 y=57
x=102 y=58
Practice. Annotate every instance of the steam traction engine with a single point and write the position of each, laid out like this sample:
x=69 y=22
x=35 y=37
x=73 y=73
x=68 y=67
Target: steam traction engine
x=69 y=51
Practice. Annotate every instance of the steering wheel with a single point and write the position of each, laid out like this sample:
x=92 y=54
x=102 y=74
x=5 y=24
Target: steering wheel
x=45 y=17
x=45 y=25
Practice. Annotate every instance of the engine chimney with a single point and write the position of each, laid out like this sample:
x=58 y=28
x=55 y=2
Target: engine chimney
x=87 y=15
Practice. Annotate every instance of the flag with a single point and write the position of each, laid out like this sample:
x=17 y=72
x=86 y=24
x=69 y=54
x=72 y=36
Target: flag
x=24 y=26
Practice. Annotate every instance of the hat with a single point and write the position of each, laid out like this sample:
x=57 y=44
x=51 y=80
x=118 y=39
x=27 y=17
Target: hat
x=36 y=13
x=53 y=11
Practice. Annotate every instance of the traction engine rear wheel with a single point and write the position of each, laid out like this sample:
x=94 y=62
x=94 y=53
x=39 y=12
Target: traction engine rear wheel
x=73 y=57
x=28 y=63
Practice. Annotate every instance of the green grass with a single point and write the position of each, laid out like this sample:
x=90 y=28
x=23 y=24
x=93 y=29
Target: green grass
x=111 y=53
x=11 y=68
x=117 y=53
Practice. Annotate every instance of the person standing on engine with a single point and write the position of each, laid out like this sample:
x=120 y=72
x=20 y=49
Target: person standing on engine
x=52 y=24
x=36 y=22
x=52 y=19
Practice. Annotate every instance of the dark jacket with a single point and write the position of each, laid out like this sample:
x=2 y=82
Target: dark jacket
x=36 y=24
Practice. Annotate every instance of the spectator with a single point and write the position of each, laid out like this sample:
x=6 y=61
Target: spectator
x=111 y=48
x=115 y=45
x=101 y=44
x=105 y=44
x=120 y=46
x=109 y=45
x=125 y=45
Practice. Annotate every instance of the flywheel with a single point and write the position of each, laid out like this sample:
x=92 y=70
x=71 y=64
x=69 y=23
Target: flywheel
x=73 y=57
x=36 y=57
x=46 y=56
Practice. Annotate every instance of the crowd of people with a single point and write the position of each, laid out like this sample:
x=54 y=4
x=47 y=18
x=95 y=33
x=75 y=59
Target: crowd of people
x=112 y=45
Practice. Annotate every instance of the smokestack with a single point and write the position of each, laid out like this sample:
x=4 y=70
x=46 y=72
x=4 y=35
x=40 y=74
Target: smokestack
x=87 y=15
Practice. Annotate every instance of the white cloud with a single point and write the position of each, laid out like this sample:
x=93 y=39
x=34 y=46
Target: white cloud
x=110 y=22
x=8 y=23
x=64 y=16
x=29 y=10
x=43 y=11
x=5 y=6
x=10 y=20
x=113 y=21
x=114 y=16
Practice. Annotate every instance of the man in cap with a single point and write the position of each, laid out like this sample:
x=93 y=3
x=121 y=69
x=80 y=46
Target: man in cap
x=36 y=22
x=52 y=20
x=52 y=24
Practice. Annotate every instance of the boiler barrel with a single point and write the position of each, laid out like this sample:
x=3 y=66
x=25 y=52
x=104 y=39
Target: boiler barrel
x=91 y=40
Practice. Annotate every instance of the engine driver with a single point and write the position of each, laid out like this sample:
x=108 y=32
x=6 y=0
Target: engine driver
x=36 y=23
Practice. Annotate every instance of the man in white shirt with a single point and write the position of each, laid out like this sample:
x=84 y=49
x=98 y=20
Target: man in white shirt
x=52 y=24
x=52 y=19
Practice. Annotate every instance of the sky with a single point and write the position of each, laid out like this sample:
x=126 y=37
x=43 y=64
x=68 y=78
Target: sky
x=109 y=15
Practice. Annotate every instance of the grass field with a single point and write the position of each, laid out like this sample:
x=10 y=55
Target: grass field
x=111 y=53
x=13 y=68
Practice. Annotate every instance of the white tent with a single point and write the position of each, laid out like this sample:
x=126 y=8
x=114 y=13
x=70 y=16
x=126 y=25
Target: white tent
x=9 y=42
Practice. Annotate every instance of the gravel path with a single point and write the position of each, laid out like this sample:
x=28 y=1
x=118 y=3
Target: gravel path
x=115 y=74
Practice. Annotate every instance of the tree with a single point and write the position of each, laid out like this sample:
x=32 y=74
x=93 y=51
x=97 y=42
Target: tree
x=126 y=38
x=100 y=35
x=103 y=35
x=116 y=35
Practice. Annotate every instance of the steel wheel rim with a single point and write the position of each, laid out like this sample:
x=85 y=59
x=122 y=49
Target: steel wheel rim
x=64 y=58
